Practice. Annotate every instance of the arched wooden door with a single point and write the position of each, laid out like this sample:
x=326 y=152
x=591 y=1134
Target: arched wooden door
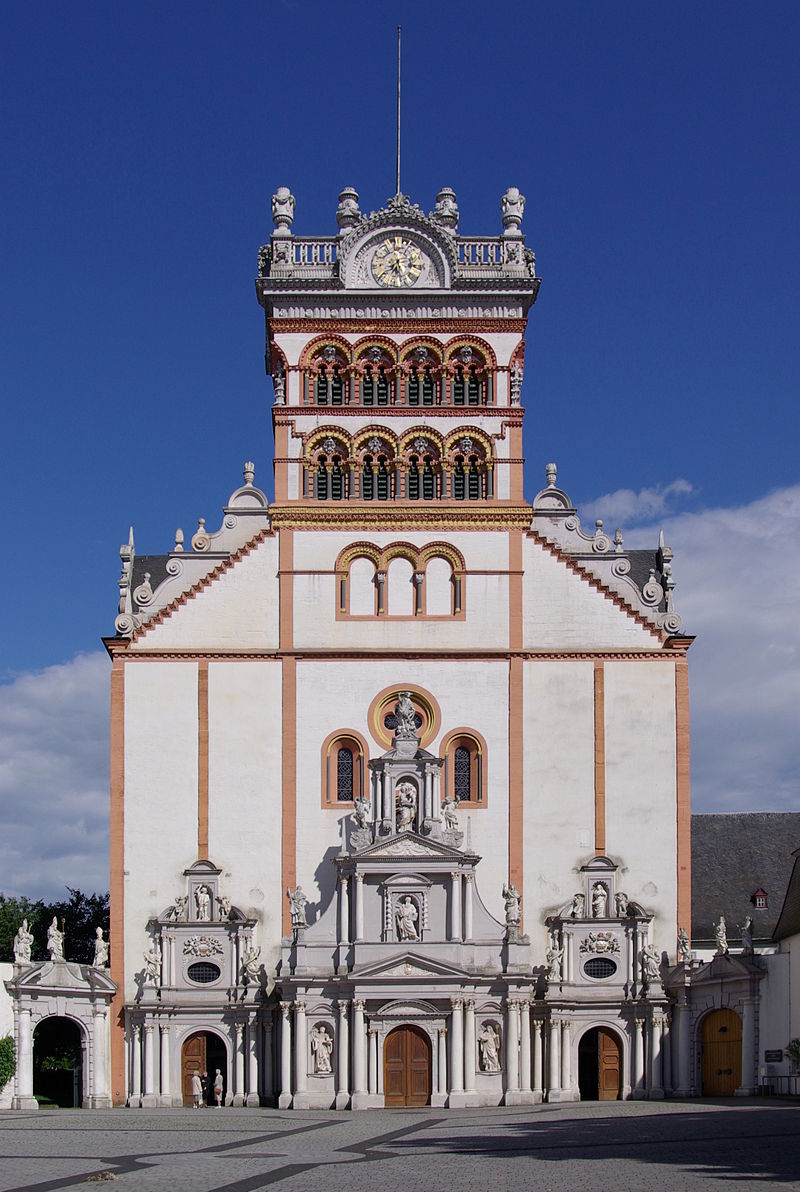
x=600 y=1065
x=721 y=1041
x=407 y=1067
x=193 y=1059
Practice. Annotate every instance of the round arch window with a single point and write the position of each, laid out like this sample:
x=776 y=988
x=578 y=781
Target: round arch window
x=599 y=967
x=203 y=972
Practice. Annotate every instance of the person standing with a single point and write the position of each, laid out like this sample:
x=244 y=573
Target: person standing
x=206 y=1089
x=197 y=1090
x=218 y=1089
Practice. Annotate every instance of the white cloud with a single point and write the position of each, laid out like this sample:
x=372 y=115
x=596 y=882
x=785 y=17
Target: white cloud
x=54 y=779
x=626 y=507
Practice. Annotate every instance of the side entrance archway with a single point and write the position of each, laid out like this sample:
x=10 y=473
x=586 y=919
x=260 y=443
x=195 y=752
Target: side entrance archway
x=721 y=1051
x=203 y=1052
x=58 y=1063
x=600 y=1065
x=407 y=1067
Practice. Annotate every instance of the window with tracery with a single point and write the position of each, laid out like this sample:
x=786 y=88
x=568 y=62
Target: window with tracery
x=343 y=761
x=464 y=752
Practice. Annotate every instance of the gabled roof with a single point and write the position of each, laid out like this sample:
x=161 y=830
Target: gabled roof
x=408 y=964
x=789 y=918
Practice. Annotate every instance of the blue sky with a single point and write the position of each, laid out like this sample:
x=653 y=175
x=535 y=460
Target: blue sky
x=657 y=146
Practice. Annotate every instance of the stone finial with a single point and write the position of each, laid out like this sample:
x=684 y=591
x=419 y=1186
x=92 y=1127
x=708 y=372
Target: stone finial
x=347 y=213
x=550 y=472
x=200 y=539
x=178 y=548
x=618 y=540
x=512 y=208
x=282 y=211
x=445 y=213
x=249 y=473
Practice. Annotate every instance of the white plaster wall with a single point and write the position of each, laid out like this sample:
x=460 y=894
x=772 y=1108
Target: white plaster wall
x=6 y=1026
x=558 y=769
x=399 y=422
x=318 y=550
x=503 y=343
x=337 y=695
x=160 y=834
x=561 y=610
x=641 y=831
x=775 y=1011
x=244 y=791
x=792 y=945
x=238 y=610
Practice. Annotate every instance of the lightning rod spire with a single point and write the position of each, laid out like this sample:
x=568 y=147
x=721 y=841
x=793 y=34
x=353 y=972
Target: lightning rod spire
x=399 y=35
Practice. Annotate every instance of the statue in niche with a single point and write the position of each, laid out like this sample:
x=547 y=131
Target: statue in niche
x=100 y=950
x=297 y=904
x=489 y=1043
x=202 y=901
x=515 y=384
x=178 y=911
x=361 y=812
x=621 y=903
x=250 y=964
x=55 y=941
x=651 y=964
x=279 y=385
x=554 y=957
x=747 y=934
x=684 y=947
x=405 y=717
x=513 y=903
x=406 y=916
x=599 y=900
x=406 y=807
x=152 y=963
x=721 y=936
x=449 y=813
x=224 y=907
x=577 y=908
x=23 y=941
x=321 y=1050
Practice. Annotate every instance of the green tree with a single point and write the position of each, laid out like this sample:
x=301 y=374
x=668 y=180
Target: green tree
x=78 y=916
x=7 y=1061
x=12 y=912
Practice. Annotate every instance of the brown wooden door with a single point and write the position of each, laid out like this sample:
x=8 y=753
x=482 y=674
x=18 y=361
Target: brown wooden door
x=609 y=1066
x=407 y=1067
x=722 y=1053
x=193 y=1059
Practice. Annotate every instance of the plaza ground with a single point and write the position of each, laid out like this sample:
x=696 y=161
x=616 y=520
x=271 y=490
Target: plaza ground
x=624 y=1145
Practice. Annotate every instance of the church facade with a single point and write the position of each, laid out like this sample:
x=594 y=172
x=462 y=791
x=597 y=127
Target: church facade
x=400 y=761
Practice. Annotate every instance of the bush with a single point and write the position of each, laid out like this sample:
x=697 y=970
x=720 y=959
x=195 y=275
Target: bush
x=793 y=1052
x=7 y=1061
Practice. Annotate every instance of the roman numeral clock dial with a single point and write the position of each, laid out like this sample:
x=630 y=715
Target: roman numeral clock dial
x=396 y=262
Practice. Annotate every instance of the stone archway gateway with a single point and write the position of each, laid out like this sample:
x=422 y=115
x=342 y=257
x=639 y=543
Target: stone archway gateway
x=203 y=1051
x=600 y=1065
x=721 y=1043
x=58 y=1072
x=407 y=1067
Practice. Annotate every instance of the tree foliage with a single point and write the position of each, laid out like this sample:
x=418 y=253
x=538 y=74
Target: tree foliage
x=7 y=1061
x=78 y=916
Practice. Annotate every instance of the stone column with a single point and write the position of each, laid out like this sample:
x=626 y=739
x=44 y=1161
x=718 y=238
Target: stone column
x=566 y=1057
x=24 y=1098
x=457 y=1049
x=266 y=1062
x=455 y=905
x=512 y=1048
x=386 y=801
x=136 y=1064
x=469 y=881
x=748 y=1085
x=238 y=1051
x=252 y=1063
x=343 y=1059
x=359 y=907
x=98 y=1058
x=285 y=1097
x=147 y=1099
x=470 y=1046
x=166 y=1091
x=537 y=1059
x=656 y=1089
x=442 y=1061
x=525 y=1046
x=666 y=1052
x=373 y=1060
x=554 y=1083
x=344 y=911
x=359 y=1075
x=639 y=1091
x=300 y=1049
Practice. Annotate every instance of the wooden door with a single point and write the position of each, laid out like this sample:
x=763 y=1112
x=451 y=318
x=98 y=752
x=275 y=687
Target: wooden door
x=407 y=1067
x=721 y=1041
x=609 y=1066
x=193 y=1059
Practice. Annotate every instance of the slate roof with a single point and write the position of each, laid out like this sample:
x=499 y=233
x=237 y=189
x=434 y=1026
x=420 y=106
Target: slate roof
x=789 y=920
x=733 y=856
x=156 y=565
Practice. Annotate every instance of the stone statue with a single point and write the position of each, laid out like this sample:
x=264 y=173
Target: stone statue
x=23 y=941
x=599 y=900
x=224 y=907
x=651 y=964
x=449 y=814
x=621 y=903
x=279 y=385
x=721 y=936
x=406 y=916
x=347 y=213
x=512 y=208
x=297 y=903
x=405 y=717
x=178 y=911
x=202 y=900
x=55 y=941
x=554 y=957
x=406 y=807
x=513 y=903
x=747 y=934
x=282 y=210
x=100 y=950
x=684 y=947
x=361 y=812
x=445 y=213
x=577 y=909
x=515 y=384
x=321 y=1050
x=152 y=963
x=250 y=964
x=489 y=1042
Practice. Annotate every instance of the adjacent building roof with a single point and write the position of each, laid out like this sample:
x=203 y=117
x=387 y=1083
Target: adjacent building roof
x=789 y=919
x=733 y=856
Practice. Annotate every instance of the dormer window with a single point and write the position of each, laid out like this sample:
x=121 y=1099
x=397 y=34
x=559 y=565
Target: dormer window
x=760 y=900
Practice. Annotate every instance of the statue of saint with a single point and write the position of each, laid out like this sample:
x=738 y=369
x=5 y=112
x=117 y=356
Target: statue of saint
x=489 y=1042
x=684 y=947
x=449 y=814
x=406 y=807
x=721 y=936
x=152 y=963
x=361 y=812
x=747 y=934
x=224 y=907
x=406 y=917
x=553 y=958
x=22 y=944
x=202 y=899
x=100 y=950
x=599 y=900
x=513 y=904
x=55 y=941
x=321 y=1049
x=297 y=903
x=621 y=903
x=405 y=717
x=577 y=909
x=651 y=963
x=250 y=964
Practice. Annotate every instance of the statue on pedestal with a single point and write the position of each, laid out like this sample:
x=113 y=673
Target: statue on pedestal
x=489 y=1042
x=684 y=947
x=599 y=900
x=202 y=899
x=513 y=903
x=554 y=957
x=406 y=916
x=100 y=950
x=321 y=1050
x=405 y=717
x=55 y=941
x=721 y=936
x=651 y=964
x=250 y=965
x=747 y=934
x=152 y=963
x=449 y=814
x=406 y=807
x=22 y=944
x=297 y=903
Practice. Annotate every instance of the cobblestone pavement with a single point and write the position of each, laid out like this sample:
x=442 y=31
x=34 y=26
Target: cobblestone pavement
x=626 y=1146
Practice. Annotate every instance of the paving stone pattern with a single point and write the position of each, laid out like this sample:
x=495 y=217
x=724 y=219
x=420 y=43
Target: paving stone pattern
x=626 y=1146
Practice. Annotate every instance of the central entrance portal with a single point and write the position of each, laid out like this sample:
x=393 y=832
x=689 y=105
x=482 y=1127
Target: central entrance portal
x=203 y=1052
x=407 y=1067
x=721 y=1040
x=600 y=1066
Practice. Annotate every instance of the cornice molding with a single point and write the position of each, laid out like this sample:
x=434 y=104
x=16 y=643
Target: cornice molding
x=407 y=515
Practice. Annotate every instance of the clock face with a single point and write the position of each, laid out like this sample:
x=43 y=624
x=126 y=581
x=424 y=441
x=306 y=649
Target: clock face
x=396 y=262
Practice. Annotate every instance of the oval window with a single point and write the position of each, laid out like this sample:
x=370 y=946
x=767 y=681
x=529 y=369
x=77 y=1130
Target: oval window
x=203 y=972
x=599 y=967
